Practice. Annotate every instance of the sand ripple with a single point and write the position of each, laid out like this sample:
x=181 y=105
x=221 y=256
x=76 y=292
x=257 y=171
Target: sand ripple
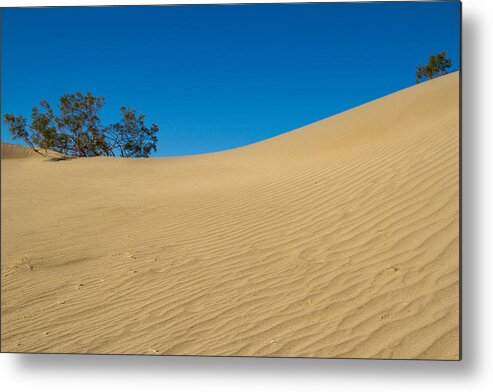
x=340 y=239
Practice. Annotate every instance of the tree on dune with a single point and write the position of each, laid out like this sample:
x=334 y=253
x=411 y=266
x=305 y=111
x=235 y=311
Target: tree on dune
x=77 y=130
x=437 y=66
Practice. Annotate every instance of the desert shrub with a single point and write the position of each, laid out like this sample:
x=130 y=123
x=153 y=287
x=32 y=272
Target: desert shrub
x=437 y=65
x=77 y=130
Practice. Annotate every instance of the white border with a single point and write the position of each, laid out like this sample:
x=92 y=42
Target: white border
x=124 y=373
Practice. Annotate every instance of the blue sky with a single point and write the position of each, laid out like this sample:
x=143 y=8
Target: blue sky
x=218 y=77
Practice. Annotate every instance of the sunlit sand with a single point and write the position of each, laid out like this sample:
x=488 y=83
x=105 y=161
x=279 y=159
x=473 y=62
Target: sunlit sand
x=339 y=239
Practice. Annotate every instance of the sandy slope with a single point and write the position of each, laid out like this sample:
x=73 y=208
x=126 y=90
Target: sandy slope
x=339 y=239
x=13 y=151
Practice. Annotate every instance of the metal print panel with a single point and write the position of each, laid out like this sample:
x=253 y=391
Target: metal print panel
x=271 y=180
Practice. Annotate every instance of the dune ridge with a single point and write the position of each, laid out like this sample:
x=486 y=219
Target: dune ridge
x=339 y=239
x=14 y=151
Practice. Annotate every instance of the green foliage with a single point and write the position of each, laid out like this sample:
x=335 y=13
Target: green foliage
x=77 y=129
x=130 y=136
x=437 y=66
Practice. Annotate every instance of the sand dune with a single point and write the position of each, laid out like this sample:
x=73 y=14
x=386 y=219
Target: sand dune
x=13 y=151
x=339 y=239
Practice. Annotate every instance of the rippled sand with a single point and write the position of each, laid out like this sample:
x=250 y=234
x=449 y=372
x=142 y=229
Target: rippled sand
x=339 y=239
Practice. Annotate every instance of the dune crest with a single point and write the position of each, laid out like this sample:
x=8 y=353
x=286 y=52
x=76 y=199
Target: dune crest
x=14 y=151
x=339 y=239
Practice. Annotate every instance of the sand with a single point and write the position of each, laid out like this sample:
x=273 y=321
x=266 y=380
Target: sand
x=339 y=239
x=13 y=151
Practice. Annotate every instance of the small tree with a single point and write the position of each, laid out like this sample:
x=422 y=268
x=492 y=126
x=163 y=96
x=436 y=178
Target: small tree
x=77 y=129
x=437 y=66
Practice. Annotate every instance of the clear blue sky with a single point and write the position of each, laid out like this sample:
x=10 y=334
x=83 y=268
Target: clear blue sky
x=218 y=77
